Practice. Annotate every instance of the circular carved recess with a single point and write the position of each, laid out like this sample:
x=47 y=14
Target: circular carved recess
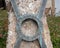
x=29 y=27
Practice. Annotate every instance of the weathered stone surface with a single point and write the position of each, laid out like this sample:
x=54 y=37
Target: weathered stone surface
x=33 y=44
x=29 y=28
x=26 y=7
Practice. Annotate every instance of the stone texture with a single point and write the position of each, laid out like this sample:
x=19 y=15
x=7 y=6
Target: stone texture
x=29 y=27
x=26 y=7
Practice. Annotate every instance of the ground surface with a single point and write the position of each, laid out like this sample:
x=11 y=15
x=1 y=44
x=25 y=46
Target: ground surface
x=54 y=26
x=3 y=28
x=53 y=22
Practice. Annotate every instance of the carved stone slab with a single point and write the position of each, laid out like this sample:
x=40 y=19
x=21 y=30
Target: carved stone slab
x=12 y=34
